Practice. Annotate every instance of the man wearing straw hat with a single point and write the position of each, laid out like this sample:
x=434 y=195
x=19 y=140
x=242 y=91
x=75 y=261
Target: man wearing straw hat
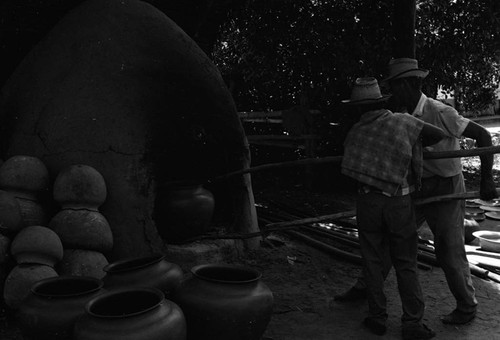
x=382 y=151
x=441 y=177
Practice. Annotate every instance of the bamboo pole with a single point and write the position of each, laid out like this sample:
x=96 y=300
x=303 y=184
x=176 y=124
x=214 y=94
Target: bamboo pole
x=337 y=159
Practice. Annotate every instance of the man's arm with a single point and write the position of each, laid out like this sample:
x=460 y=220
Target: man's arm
x=483 y=139
x=431 y=134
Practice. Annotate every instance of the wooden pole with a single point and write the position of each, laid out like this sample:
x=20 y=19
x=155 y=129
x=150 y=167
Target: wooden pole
x=337 y=159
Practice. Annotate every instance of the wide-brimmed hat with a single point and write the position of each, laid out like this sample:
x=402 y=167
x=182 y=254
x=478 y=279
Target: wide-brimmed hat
x=365 y=91
x=405 y=67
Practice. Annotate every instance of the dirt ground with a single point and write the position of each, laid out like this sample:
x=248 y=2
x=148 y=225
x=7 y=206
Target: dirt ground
x=304 y=288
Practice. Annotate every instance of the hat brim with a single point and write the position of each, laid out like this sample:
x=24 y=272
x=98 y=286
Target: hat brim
x=418 y=72
x=367 y=101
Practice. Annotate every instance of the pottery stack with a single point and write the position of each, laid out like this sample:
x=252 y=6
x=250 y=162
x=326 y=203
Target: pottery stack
x=26 y=178
x=85 y=233
x=35 y=248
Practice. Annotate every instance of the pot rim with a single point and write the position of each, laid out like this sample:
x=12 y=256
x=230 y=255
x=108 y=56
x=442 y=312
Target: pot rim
x=132 y=263
x=61 y=279
x=123 y=291
x=256 y=275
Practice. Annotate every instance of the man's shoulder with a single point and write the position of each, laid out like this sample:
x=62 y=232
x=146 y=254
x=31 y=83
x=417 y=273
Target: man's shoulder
x=438 y=106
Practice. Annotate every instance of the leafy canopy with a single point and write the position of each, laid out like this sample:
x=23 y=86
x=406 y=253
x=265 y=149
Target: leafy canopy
x=272 y=51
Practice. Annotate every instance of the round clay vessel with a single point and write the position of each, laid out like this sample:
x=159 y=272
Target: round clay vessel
x=24 y=176
x=149 y=271
x=224 y=302
x=5 y=243
x=82 y=262
x=80 y=187
x=83 y=229
x=32 y=212
x=11 y=220
x=131 y=314
x=37 y=244
x=20 y=279
x=53 y=306
x=183 y=212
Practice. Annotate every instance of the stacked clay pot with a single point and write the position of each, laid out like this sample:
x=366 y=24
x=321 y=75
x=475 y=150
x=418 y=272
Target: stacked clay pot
x=26 y=178
x=36 y=250
x=10 y=224
x=85 y=233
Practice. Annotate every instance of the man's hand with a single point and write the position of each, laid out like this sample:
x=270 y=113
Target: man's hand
x=487 y=190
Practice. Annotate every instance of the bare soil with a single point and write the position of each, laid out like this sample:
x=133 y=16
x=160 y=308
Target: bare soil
x=304 y=288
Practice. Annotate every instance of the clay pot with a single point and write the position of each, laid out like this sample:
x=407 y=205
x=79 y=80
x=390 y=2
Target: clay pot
x=80 y=187
x=53 y=306
x=37 y=244
x=20 y=279
x=131 y=314
x=183 y=212
x=224 y=302
x=11 y=220
x=150 y=271
x=4 y=250
x=32 y=212
x=82 y=262
x=24 y=176
x=83 y=229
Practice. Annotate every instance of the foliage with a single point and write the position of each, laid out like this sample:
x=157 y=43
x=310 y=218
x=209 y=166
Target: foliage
x=272 y=51
x=460 y=42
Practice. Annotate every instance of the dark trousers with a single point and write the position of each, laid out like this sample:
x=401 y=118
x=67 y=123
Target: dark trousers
x=446 y=221
x=387 y=225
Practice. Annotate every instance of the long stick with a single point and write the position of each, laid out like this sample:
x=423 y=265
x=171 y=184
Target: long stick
x=458 y=196
x=337 y=159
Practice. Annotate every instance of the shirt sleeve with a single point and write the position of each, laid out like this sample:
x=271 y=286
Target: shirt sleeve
x=454 y=123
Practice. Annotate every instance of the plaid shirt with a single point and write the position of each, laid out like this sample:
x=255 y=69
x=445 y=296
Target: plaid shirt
x=381 y=147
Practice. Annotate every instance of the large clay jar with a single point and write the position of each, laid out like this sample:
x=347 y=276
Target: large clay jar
x=32 y=212
x=224 y=302
x=11 y=220
x=53 y=306
x=150 y=271
x=183 y=212
x=24 y=176
x=20 y=279
x=37 y=244
x=131 y=314
x=83 y=229
x=80 y=187
x=82 y=262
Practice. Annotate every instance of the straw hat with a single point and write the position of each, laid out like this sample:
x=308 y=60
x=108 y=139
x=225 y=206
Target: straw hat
x=405 y=67
x=366 y=91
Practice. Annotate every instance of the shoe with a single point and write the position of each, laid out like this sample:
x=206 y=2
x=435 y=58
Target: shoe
x=353 y=294
x=417 y=332
x=376 y=327
x=458 y=318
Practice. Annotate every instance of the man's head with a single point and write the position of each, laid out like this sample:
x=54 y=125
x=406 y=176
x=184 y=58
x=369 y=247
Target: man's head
x=366 y=95
x=405 y=81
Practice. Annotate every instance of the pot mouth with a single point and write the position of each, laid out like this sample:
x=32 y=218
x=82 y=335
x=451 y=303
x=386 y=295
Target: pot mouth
x=125 y=302
x=132 y=264
x=226 y=273
x=66 y=286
